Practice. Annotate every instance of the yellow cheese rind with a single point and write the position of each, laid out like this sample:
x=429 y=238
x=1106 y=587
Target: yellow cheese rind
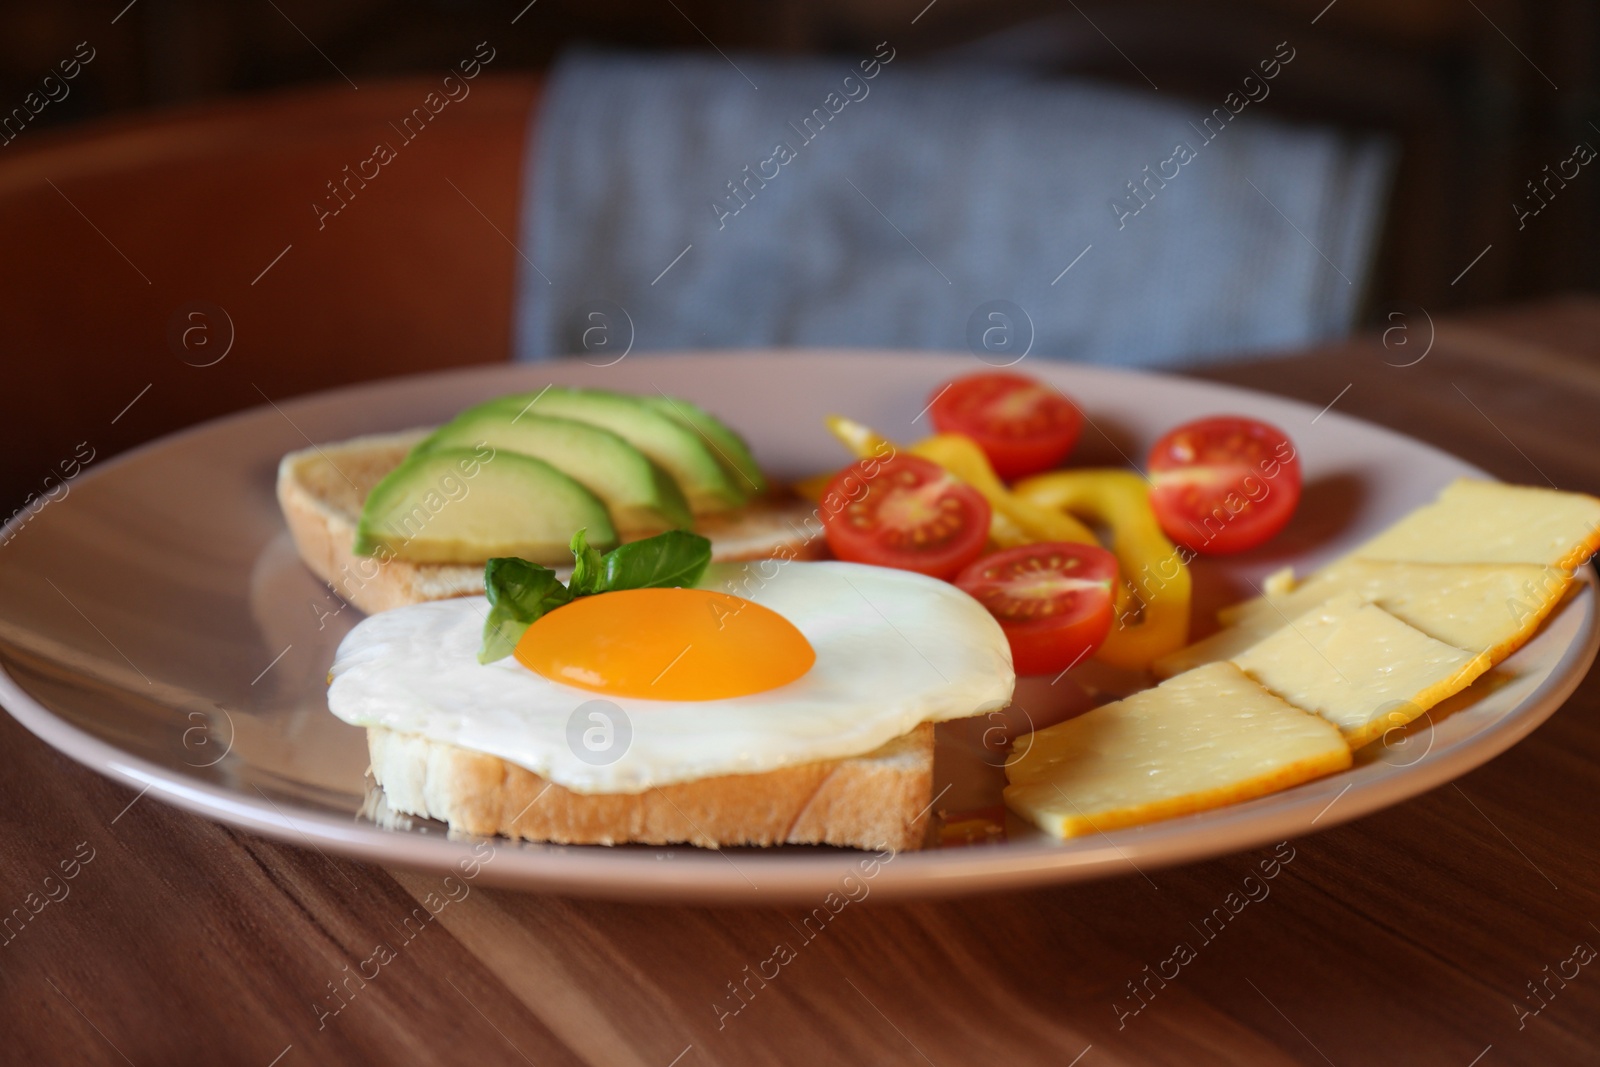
x=1359 y=667
x=1491 y=522
x=1202 y=740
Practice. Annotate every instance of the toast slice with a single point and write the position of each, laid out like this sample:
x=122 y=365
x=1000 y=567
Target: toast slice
x=321 y=490
x=869 y=801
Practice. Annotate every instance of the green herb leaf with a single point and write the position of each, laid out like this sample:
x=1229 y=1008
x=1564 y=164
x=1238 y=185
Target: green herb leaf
x=588 y=569
x=519 y=592
x=674 y=558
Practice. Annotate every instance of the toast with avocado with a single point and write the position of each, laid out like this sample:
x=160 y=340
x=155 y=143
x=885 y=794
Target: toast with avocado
x=400 y=518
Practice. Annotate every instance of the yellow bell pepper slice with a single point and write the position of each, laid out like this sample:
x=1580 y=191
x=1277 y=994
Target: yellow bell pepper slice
x=1152 y=605
x=862 y=440
x=961 y=456
x=1012 y=521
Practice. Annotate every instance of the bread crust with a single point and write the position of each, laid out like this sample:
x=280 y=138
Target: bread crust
x=868 y=801
x=321 y=491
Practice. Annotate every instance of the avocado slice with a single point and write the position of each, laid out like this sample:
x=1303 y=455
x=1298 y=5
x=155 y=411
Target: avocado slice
x=639 y=495
x=683 y=453
x=731 y=450
x=464 y=505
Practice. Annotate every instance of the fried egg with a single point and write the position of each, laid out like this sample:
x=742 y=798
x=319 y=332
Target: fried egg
x=765 y=665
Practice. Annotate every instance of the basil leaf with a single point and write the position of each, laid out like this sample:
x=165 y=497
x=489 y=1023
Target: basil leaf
x=588 y=569
x=519 y=592
x=674 y=558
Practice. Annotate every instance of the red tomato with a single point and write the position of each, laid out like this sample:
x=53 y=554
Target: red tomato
x=905 y=512
x=1053 y=600
x=1024 y=427
x=1224 y=484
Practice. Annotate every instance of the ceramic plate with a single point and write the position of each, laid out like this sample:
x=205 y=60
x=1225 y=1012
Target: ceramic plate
x=156 y=625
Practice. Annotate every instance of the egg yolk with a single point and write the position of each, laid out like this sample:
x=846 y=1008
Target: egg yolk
x=666 y=644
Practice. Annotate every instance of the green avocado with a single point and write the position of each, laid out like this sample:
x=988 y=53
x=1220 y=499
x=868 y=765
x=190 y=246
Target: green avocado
x=639 y=495
x=679 y=450
x=732 y=452
x=466 y=505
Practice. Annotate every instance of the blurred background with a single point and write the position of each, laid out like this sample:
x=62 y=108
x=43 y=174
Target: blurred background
x=156 y=146
x=1483 y=94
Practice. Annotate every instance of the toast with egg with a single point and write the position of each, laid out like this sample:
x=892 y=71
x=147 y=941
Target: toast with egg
x=779 y=714
x=871 y=801
x=322 y=489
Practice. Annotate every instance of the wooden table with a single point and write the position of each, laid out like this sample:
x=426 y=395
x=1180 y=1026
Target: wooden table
x=1409 y=937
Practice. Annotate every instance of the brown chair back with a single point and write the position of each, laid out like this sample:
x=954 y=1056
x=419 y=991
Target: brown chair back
x=122 y=242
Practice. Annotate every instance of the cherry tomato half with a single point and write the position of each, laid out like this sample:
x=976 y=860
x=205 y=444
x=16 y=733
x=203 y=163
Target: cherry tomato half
x=1023 y=426
x=1052 y=599
x=905 y=512
x=1224 y=484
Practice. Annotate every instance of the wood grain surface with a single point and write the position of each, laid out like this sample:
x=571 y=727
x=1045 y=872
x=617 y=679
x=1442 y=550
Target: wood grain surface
x=1452 y=929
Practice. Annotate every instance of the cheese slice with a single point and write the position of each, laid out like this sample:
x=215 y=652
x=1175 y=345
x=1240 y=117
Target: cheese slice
x=1202 y=740
x=1487 y=607
x=1225 y=644
x=1278 y=582
x=1491 y=522
x=1359 y=667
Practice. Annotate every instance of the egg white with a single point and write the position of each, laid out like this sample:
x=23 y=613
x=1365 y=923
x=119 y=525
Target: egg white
x=894 y=649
